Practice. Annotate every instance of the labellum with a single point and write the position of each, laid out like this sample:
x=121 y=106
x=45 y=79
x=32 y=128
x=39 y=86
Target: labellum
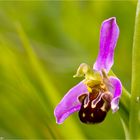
x=95 y=104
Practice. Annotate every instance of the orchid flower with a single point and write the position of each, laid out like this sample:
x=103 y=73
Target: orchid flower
x=94 y=96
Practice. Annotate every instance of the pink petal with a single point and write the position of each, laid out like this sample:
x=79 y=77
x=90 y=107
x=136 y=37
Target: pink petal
x=108 y=38
x=116 y=90
x=69 y=104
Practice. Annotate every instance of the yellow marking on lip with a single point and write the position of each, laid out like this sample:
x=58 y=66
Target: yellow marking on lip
x=85 y=105
x=92 y=115
x=103 y=107
x=83 y=115
x=93 y=105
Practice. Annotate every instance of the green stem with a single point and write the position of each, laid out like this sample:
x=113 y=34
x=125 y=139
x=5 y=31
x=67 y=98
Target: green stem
x=134 y=120
x=126 y=130
x=125 y=97
x=124 y=109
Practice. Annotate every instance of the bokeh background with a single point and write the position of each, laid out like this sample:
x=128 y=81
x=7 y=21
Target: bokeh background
x=42 y=44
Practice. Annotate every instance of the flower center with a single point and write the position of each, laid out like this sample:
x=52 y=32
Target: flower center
x=95 y=104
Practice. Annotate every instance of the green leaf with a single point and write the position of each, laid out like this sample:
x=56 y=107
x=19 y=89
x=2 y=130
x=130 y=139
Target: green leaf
x=47 y=85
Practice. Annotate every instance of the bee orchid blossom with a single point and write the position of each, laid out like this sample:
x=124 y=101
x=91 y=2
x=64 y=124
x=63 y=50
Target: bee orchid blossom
x=94 y=96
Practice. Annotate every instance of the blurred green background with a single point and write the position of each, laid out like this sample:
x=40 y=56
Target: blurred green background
x=42 y=44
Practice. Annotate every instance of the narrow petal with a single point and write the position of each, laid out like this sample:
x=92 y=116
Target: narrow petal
x=116 y=90
x=69 y=104
x=108 y=38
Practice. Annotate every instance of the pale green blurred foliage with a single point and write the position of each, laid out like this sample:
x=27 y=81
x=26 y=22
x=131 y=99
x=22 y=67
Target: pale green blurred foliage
x=41 y=46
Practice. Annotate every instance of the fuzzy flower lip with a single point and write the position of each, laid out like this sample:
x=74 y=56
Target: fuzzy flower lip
x=109 y=34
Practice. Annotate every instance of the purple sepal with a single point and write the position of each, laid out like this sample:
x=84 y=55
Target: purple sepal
x=116 y=90
x=108 y=38
x=69 y=104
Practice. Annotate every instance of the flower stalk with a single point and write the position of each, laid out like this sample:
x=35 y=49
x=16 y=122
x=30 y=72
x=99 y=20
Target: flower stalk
x=124 y=109
x=134 y=120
